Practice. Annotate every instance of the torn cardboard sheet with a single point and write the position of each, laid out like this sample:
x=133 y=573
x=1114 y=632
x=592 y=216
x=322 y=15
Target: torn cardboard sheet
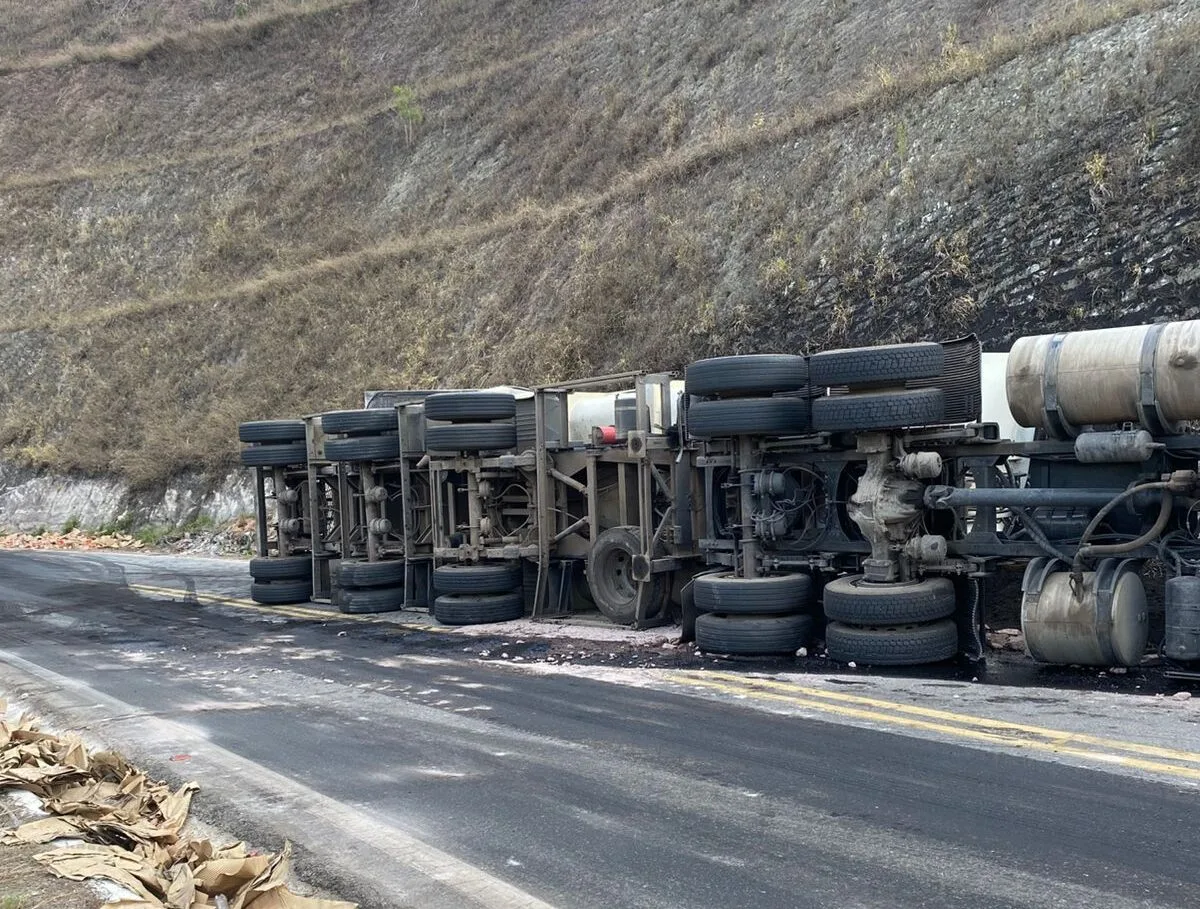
x=132 y=830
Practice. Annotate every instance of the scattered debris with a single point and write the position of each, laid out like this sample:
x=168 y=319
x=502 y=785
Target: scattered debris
x=236 y=537
x=131 y=828
x=1006 y=639
x=74 y=539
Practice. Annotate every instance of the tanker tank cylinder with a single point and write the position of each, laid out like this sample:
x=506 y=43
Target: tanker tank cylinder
x=1182 y=603
x=1142 y=374
x=376 y=494
x=928 y=548
x=1101 y=620
x=1122 y=447
x=921 y=465
x=379 y=526
x=289 y=496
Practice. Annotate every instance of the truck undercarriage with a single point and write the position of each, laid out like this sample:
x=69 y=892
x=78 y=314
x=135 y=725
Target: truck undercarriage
x=859 y=497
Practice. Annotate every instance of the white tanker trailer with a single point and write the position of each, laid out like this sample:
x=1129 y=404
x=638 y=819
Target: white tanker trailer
x=855 y=497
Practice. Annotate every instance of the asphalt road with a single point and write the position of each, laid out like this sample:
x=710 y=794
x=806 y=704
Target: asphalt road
x=411 y=772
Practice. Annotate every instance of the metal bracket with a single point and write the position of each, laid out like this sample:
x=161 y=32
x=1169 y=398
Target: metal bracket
x=1036 y=573
x=1056 y=421
x=1147 y=405
x=1108 y=573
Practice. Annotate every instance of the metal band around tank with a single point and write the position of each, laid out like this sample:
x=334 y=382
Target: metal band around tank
x=1056 y=422
x=1108 y=573
x=1149 y=413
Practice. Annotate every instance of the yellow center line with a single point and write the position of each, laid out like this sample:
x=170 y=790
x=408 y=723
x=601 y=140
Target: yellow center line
x=1057 y=736
x=957 y=731
x=295 y=612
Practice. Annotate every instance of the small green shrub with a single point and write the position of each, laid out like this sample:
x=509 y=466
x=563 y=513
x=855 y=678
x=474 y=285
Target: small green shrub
x=154 y=535
x=123 y=524
x=404 y=104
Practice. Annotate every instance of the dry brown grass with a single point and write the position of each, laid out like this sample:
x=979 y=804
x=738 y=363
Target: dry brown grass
x=364 y=112
x=872 y=96
x=24 y=884
x=201 y=38
x=580 y=198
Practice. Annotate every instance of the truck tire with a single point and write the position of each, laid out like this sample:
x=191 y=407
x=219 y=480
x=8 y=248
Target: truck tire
x=471 y=437
x=360 y=573
x=724 y=593
x=359 y=422
x=281 y=568
x=290 y=454
x=747 y=375
x=476 y=609
x=358 y=600
x=363 y=448
x=470 y=406
x=857 y=601
x=271 y=431
x=886 y=364
x=487 y=577
x=276 y=592
x=751 y=635
x=722 y=419
x=610 y=578
x=879 y=410
x=907 y=645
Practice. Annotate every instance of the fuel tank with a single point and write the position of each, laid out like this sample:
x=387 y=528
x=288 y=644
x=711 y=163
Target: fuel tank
x=1102 y=622
x=1147 y=374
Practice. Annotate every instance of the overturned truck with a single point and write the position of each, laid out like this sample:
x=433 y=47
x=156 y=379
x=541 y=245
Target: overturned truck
x=861 y=497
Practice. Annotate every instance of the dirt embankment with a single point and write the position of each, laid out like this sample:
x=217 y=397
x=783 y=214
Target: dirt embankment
x=211 y=212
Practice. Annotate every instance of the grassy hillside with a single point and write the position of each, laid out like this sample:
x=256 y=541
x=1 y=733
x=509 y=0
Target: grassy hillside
x=217 y=210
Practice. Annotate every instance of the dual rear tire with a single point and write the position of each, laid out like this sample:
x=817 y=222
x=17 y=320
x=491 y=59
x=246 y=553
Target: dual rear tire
x=281 y=579
x=895 y=624
x=478 y=593
x=736 y=396
x=470 y=421
x=360 y=586
x=752 y=616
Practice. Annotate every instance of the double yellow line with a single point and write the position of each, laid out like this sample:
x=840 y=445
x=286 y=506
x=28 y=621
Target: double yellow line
x=292 y=611
x=1134 y=755
x=984 y=730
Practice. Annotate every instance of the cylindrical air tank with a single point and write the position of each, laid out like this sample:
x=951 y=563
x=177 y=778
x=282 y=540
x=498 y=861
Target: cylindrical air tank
x=1148 y=374
x=1182 y=602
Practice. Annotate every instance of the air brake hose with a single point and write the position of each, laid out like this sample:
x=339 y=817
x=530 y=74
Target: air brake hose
x=1039 y=537
x=1160 y=524
x=1086 y=549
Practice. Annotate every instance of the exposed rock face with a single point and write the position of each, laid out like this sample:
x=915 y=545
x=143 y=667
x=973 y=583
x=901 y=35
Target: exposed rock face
x=30 y=501
x=204 y=221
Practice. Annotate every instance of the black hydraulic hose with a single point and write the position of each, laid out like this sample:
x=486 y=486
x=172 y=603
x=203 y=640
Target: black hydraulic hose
x=1086 y=550
x=1117 y=500
x=1039 y=537
x=1160 y=524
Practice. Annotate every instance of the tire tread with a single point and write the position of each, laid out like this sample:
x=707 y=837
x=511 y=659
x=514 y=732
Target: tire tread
x=911 y=645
